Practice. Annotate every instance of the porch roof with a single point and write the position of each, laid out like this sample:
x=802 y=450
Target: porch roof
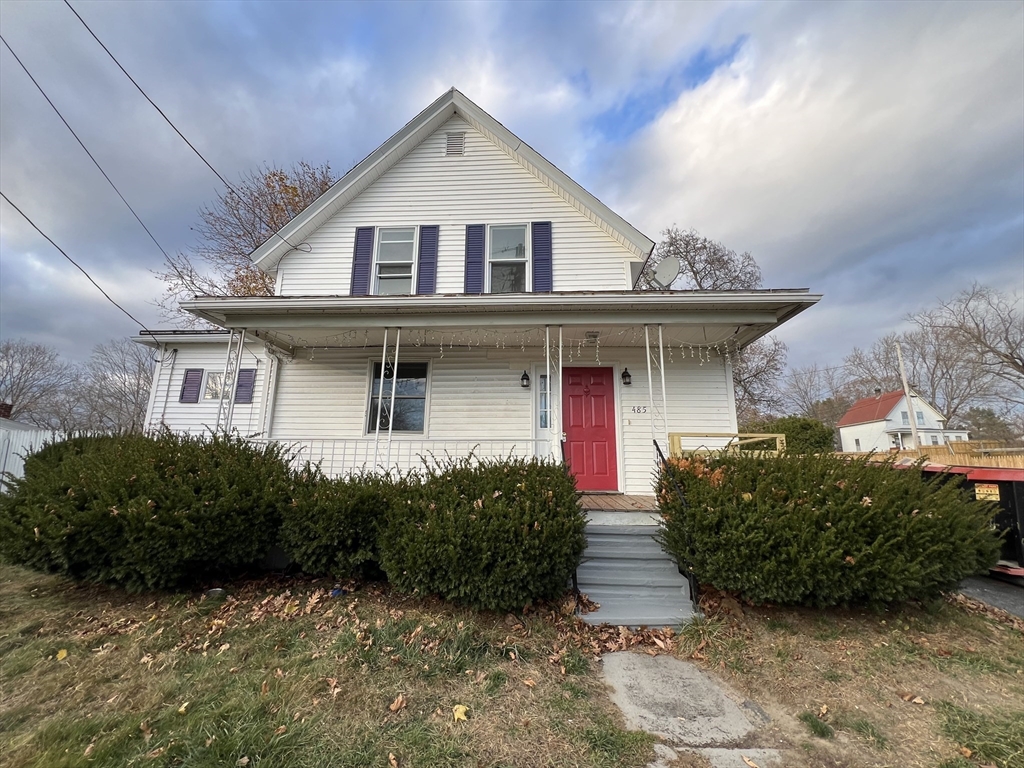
x=688 y=317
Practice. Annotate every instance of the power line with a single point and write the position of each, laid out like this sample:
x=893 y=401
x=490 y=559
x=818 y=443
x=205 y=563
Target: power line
x=191 y=146
x=77 y=265
x=86 y=150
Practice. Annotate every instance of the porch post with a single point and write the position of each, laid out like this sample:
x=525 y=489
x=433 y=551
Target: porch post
x=561 y=434
x=547 y=378
x=380 y=397
x=394 y=386
x=227 y=363
x=664 y=395
x=233 y=384
x=650 y=380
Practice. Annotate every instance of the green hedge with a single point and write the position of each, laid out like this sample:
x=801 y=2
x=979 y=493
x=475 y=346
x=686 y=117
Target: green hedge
x=803 y=435
x=331 y=525
x=496 y=535
x=145 y=512
x=822 y=530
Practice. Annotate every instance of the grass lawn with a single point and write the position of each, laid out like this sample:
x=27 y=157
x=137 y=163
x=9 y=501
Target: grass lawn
x=282 y=673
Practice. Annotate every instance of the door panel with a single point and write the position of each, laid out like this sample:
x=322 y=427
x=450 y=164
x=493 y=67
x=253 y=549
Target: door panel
x=588 y=402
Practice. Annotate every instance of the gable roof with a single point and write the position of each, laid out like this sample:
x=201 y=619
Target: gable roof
x=868 y=409
x=382 y=159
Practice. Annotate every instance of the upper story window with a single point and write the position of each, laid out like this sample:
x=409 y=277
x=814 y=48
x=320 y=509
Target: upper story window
x=396 y=260
x=906 y=418
x=508 y=259
x=920 y=418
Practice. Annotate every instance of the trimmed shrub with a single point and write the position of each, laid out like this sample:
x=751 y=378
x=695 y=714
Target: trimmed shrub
x=498 y=534
x=331 y=525
x=145 y=512
x=822 y=530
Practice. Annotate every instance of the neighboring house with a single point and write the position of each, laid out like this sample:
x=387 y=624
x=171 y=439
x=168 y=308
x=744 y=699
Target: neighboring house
x=497 y=298
x=17 y=440
x=881 y=422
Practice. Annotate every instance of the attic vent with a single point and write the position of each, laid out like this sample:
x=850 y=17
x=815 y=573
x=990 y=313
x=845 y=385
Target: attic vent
x=456 y=144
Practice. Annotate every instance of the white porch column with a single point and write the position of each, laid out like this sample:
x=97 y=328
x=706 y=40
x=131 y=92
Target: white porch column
x=380 y=398
x=664 y=394
x=394 y=387
x=650 y=383
x=561 y=433
x=547 y=378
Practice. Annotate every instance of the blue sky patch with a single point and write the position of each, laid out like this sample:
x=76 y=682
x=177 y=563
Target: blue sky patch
x=642 y=107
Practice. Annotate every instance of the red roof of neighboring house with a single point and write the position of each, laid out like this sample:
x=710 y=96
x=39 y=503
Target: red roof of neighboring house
x=874 y=408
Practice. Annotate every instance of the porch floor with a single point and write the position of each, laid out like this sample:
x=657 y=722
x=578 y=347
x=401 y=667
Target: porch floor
x=618 y=502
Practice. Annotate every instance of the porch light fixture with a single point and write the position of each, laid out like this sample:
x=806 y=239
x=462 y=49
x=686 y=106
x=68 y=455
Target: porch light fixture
x=626 y=378
x=524 y=380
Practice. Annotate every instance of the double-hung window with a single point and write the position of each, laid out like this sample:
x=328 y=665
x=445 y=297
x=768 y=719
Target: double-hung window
x=508 y=259
x=396 y=261
x=410 y=398
x=920 y=418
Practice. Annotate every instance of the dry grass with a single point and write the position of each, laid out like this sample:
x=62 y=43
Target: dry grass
x=922 y=686
x=284 y=674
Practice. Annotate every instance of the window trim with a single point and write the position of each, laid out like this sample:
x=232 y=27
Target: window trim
x=528 y=260
x=375 y=262
x=370 y=394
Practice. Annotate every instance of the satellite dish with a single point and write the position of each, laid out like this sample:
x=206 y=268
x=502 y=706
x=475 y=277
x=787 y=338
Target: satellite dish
x=666 y=272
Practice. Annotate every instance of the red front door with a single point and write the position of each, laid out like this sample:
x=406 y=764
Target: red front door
x=588 y=405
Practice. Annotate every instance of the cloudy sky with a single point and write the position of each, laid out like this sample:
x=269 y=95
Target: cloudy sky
x=873 y=152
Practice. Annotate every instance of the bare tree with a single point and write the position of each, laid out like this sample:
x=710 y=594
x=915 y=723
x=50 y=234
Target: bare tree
x=234 y=226
x=756 y=379
x=33 y=379
x=939 y=368
x=120 y=374
x=988 y=325
x=705 y=265
x=824 y=394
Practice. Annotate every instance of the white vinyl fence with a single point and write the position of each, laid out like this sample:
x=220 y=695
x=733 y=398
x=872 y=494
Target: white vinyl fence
x=15 y=444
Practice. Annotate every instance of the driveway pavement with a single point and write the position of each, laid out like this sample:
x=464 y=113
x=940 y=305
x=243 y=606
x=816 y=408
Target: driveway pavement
x=996 y=593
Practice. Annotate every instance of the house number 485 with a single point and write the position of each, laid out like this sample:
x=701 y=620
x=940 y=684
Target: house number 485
x=639 y=409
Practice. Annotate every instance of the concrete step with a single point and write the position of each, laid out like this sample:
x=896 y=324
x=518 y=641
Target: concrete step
x=629 y=573
x=631 y=612
x=626 y=548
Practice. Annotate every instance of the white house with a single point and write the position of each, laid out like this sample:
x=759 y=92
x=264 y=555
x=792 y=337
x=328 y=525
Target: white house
x=497 y=298
x=881 y=422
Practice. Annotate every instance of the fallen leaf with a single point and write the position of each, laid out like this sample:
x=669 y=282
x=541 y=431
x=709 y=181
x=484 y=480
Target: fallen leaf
x=392 y=760
x=91 y=747
x=906 y=696
x=280 y=729
x=182 y=708
x=749 y=762
x=147 y=732
x=243 y=761
x=62 y=654
x=529 y=683
x=965 y=752
x=823 y=711
x=459 y=712
x=210 y=740
x=265 y=688
x=398 y=703
x=917 y=700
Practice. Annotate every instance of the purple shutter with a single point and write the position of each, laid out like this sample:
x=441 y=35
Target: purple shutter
x=361 y=260
x=191 y=383
x=426 y=274
x=246 y=385
x=541 y=231
x=475 y=258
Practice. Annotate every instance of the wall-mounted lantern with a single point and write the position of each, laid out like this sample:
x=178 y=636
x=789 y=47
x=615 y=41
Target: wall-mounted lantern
x=524 y=380
x=626 y=378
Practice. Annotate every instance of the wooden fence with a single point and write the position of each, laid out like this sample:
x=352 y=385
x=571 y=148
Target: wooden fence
x=968 y=453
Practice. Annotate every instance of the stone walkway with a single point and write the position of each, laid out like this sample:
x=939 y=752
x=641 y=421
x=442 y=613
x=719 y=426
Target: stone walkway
x=689 y=711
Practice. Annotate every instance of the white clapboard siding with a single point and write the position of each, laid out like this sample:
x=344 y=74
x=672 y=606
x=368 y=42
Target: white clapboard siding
x=17 y=442
x=165 y=408
x=483 y=186
x=473 y=396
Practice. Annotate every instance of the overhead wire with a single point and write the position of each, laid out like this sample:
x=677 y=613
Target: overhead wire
x=191 y=146
x=78 y=266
